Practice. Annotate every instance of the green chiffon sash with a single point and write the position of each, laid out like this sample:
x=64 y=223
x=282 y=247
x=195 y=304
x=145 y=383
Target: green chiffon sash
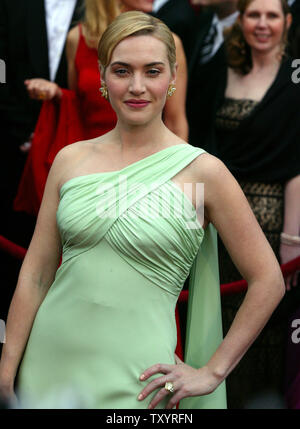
x=204 y=320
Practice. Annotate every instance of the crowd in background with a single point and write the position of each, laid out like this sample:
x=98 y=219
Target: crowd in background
x=231 y=99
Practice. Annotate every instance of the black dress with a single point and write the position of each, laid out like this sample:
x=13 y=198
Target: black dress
x=265 y=199
x=259 y=144
x=261 y=369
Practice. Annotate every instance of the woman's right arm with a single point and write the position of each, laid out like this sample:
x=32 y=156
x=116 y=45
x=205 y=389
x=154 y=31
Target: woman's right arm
x=35 y=278
x=71 y=49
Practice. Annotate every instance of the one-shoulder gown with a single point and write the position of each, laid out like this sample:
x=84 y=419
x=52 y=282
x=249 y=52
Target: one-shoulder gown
x=130 y=239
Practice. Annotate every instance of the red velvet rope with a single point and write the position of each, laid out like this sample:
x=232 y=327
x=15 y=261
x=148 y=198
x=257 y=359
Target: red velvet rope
x=290 y=267
x=19 y=252
x=241 y=285
x=11 y=248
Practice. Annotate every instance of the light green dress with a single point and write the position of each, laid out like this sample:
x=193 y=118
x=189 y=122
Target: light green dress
x=130 y=238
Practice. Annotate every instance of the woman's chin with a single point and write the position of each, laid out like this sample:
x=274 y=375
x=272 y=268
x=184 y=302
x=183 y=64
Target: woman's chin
x=264 y=48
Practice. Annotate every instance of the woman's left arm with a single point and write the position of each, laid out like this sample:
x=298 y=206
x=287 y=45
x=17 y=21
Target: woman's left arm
x=174 y=111
x=227 y=208
x=289 y=249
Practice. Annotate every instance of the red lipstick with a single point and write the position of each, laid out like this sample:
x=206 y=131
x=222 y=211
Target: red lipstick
x=137 y=104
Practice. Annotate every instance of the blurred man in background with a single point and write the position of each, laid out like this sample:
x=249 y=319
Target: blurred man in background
x=32 y=39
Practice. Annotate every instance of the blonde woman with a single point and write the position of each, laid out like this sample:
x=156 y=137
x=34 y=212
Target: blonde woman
x=174 y=111
x=100 y=331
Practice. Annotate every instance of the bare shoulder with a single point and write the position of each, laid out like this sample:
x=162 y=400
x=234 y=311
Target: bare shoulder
x=73 y=35
x=217 y=178
x=207 y=167
x=177 y=40
x=224 y=200
x=68 y=157
x=80 y=157
x=70 y=152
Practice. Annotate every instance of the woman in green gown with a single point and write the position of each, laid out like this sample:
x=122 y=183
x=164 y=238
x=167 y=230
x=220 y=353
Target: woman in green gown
x=128 y=214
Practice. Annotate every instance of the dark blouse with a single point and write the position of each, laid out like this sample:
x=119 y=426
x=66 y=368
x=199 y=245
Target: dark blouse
x=233 y=112
x=261 y=143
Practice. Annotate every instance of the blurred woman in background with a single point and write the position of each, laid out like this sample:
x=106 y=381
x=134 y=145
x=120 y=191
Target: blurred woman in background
x=256 y=134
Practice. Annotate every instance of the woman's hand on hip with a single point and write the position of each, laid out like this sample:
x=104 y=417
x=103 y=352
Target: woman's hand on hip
x=186 y=380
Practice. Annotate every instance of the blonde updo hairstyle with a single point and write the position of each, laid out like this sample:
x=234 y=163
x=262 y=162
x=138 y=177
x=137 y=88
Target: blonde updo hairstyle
x=237 y=49
x=134 y=23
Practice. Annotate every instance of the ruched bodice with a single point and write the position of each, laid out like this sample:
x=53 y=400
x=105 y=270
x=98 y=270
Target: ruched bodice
x=164 y=255
x=129 y=238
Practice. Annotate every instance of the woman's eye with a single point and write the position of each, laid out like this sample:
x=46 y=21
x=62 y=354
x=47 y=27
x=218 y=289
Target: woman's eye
x=121 y=72
x=153 y=72
x=253 y=15
x=272 y=15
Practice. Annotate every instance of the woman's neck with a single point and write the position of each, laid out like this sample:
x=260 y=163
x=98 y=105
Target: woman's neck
x=142 y=139
x=263 y=61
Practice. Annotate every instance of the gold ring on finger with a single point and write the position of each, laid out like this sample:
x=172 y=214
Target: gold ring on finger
x=169 y=386
x=42 y=95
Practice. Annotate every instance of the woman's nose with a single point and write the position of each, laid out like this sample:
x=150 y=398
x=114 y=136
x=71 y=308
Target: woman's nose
x=262 y=22
x=137 y=85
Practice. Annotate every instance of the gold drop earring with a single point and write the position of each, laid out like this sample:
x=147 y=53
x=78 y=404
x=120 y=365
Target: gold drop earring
x=171 y=90
x=104 y=91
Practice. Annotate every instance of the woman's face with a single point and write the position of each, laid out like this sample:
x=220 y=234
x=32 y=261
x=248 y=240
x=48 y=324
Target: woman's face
x=138 y=78
x=142 y=5
x=263 y=24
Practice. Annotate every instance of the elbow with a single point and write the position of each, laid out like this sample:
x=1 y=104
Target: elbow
x=280 y=286
x=280 y=291
x=283 y=289
x=270 y=286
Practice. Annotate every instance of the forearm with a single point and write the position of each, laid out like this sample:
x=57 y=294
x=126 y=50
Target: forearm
x=292 y=207
x=24 y=306
x=257 y=307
